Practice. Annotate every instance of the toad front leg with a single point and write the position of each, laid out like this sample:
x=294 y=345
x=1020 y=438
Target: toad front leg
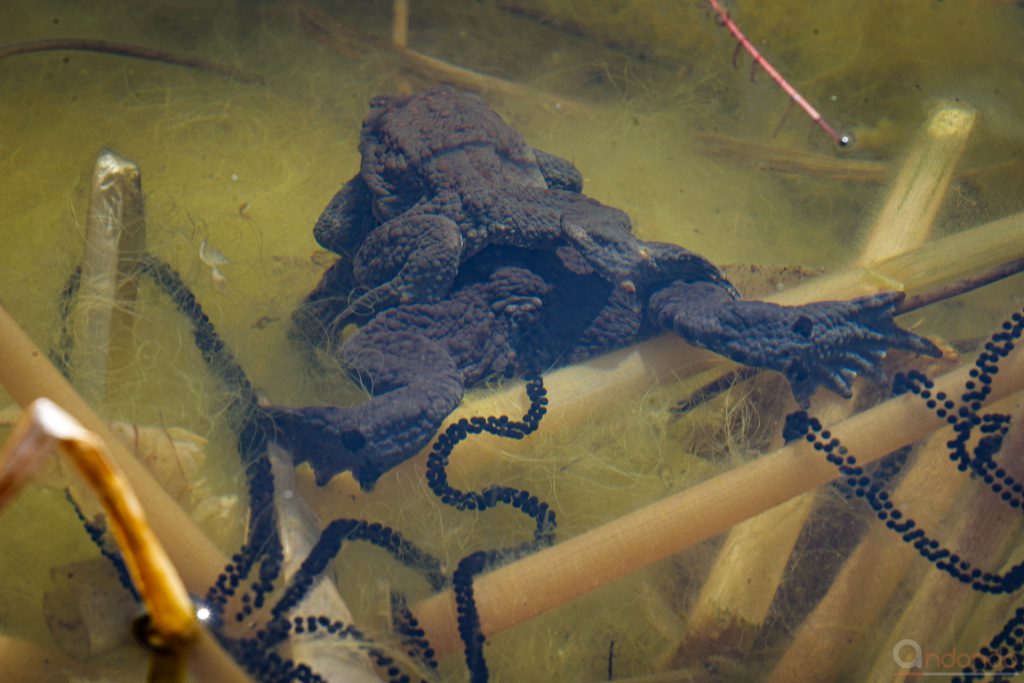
x=415 y=361
x=411 y=258
x=828 y=342
x=415 y=384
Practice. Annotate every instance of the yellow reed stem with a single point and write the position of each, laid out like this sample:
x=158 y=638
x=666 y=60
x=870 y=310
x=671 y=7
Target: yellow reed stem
x=863 y=590
x=983 y=532
x=400 y=23
x=917 y=193
x=549 y=578
x=27 y=374
x=44 y=426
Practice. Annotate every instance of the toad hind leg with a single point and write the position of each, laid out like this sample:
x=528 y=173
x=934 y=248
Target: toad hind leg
x=414 y=385
x=412 y=258
x=824 y=343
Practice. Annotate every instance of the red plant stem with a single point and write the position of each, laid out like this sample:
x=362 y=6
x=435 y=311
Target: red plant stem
x=819 y=120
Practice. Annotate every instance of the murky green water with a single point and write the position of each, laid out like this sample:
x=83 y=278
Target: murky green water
x=642 y=97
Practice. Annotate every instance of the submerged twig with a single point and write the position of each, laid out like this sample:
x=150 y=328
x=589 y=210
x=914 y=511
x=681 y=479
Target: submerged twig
x=44 y=426
x=759 y=60
x=400 y=23
x=343 y=38
x=126 y=50
x=962 y=286
x=791 y=161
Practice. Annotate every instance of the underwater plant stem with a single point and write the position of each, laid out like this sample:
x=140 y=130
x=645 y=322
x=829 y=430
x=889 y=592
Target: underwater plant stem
x=733 y=602
x=962 y=286
x=786 y=161
x=735 y=599
x=791 y=92
x=27 y=374
x=985 y=529
x=44 y=427
x=860 y=592
x=551 y=577
x=933 y=266
x=115 y=236
x=738 y=594
x=343 y=39
x=918 y=191
x=299 y=530
x=108 y=47
x=400 y=23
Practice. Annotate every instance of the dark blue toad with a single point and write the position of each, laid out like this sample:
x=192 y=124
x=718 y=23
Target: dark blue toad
x=465 y=253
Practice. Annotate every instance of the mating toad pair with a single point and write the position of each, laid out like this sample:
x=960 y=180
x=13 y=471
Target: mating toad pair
x=465 y=253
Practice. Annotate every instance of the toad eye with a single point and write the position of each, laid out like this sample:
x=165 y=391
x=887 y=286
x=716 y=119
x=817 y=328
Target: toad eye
x=353 y=440
x=803 y=326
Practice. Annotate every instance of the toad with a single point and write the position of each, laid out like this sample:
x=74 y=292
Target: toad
x=464 y=254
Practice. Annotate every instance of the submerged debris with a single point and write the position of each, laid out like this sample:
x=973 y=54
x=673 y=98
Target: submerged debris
x=214 y=258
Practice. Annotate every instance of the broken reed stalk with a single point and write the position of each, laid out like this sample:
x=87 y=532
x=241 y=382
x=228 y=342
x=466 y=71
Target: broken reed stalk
x=115 y=237
x=108 y=47
x=542 y=581
x=43 y=428
x=400 y=23
x=736 y=598
x=934 y=266
x=918 y=191
x=299 y=529
x=742 y=42
x=985 y=531
x=740 y=588
x=730 y=611
x=27 y=374
x=174 y=633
